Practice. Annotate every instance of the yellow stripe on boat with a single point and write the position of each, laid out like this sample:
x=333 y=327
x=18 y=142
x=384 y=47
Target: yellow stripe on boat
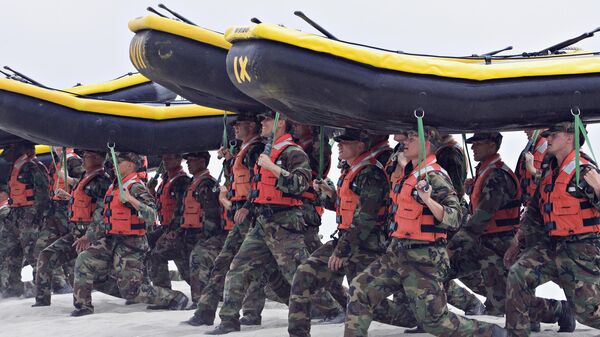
x=110 y=86
x=109 y=107
x=39 y=149
x=179 y=28
x=425 y=65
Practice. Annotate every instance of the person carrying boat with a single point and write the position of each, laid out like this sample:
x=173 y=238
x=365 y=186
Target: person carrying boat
x=128 y=211
x=86 y=203
x=529 y=165
x=360 y=203
x=164 y=241
x=416 y=261
x=560 y=231
x=480 y=244
x=29 y=205
x=57 y=220
x=276 y=242
x=233 y=197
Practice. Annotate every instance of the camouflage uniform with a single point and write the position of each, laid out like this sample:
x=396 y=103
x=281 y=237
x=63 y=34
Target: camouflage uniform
x=275 y=243
x=62 y=251
x=7 y=231
x=56 y=224
x=360 y=245
x=25 y=225
x=254 y=300
x=164 y=249
x=476 y=252
x=419 y=268
x=122 y=257
x=572 y=262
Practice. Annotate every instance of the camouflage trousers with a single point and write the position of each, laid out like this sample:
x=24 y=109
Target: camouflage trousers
x=315 y=274
x=116 y=260
x=59 y=253
x=202 y=259
x=335 y=287
x=575 y=266
x=486 y=259
x=22 y=238
x=56 y=226
x=254 y=300
x=164 y=249
x=460 y=297
x=419 y=271
x=275 y=244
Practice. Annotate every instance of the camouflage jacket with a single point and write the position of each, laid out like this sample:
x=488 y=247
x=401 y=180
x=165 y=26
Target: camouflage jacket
x=147 y=211
x=372 y=186
x=452 y=159
x=211 y=208
x=74 y=169
x=532 y=229
x=96 y=189
x=178 y=188
x=35 y=174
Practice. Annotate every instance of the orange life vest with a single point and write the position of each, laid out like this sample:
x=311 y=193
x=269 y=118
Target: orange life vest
x=564 y=214
x=507 y=218
x=119 y=218
x=167 y=202
x=348 y=200
x=527 y=182
x=264 y=190
x=82 y=206
x=192 y=209
x=21 y=194
x=412 y=219
x=240 y=187
x=59 y=173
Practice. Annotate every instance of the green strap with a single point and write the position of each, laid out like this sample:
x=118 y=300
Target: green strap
x=65 y=168
x=273 y=131
x=52 y=152
x=421 y=133
x=534 y=136
x=117 y=172
x=225 y=142
x=580 y=130
x=467 y=155
x=321 y=153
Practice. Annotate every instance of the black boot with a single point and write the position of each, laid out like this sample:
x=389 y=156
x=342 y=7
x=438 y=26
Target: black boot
x=41 y=302
x=82 y=312
x=535 y=327
x=251 y=320
x=197 y=320
x=417 y=329
x=225 y=328
x=566 y=321
x=476 y=310
x=499 y=332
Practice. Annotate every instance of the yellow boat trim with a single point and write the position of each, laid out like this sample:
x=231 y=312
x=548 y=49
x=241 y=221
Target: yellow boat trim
x=121 y=109
x=110 y=86
x=39 y=149
x=191 y=32
x=425 y=65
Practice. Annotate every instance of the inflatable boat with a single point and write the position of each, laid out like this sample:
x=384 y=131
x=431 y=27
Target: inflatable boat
x=317 y=79
x=189 y=60
x=133 y=88
x=63 y=119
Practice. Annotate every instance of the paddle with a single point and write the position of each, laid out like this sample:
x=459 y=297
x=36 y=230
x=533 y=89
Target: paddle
x=315 y=25
x=177 y=15
x=553 y=49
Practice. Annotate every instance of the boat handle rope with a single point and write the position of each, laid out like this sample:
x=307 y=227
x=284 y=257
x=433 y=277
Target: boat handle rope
x=580 y=130
x=225 y=145
x=65 y=168
x=52 y=151
x=419 y=114
x=113 y=155
x=321 y=154
x=467 y=157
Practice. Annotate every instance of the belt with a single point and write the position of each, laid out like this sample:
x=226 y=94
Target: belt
x=405 y=244
x=270 y=210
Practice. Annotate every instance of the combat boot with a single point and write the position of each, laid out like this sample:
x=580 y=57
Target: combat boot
x=225 y=328
x=417 y=329
x=41 y=302
x=535 y=327
x=12 y=293
x=251 y=320
x=198 y=320
x=178 y=303
x=499 y=332
x=82 y=312
x=566 y=321
x=477 y=310
x=65 y=289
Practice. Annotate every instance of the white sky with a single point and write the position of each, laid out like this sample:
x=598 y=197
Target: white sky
x=62 y=42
